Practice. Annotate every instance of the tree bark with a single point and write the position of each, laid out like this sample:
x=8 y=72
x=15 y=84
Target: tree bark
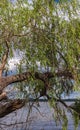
x=48 y=75
x=8 y=106
x=3 y=96
x=5 y=81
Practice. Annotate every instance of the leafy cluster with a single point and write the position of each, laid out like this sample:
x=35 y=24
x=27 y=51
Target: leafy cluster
x=49 y=35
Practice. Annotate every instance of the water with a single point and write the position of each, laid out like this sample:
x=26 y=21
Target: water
x=73 y=95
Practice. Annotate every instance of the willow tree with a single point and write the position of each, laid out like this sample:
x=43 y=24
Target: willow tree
x=48 y=33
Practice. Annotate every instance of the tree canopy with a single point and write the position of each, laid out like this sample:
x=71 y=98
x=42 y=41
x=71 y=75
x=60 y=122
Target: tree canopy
x=48 y=34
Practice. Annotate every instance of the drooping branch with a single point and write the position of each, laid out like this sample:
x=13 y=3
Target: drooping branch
x=44 y=77
x=62 y=56
x=4 y=59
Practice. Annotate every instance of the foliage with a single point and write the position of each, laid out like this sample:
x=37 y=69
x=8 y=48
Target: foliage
x=76 y=120
x=49 y=34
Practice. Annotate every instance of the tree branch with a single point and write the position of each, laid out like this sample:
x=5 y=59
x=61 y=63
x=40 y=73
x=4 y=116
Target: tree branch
x=3 y=96
x=49 y=75
x=4 y=59
x=5 y=81
x=9 y=106
x=44 y=77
